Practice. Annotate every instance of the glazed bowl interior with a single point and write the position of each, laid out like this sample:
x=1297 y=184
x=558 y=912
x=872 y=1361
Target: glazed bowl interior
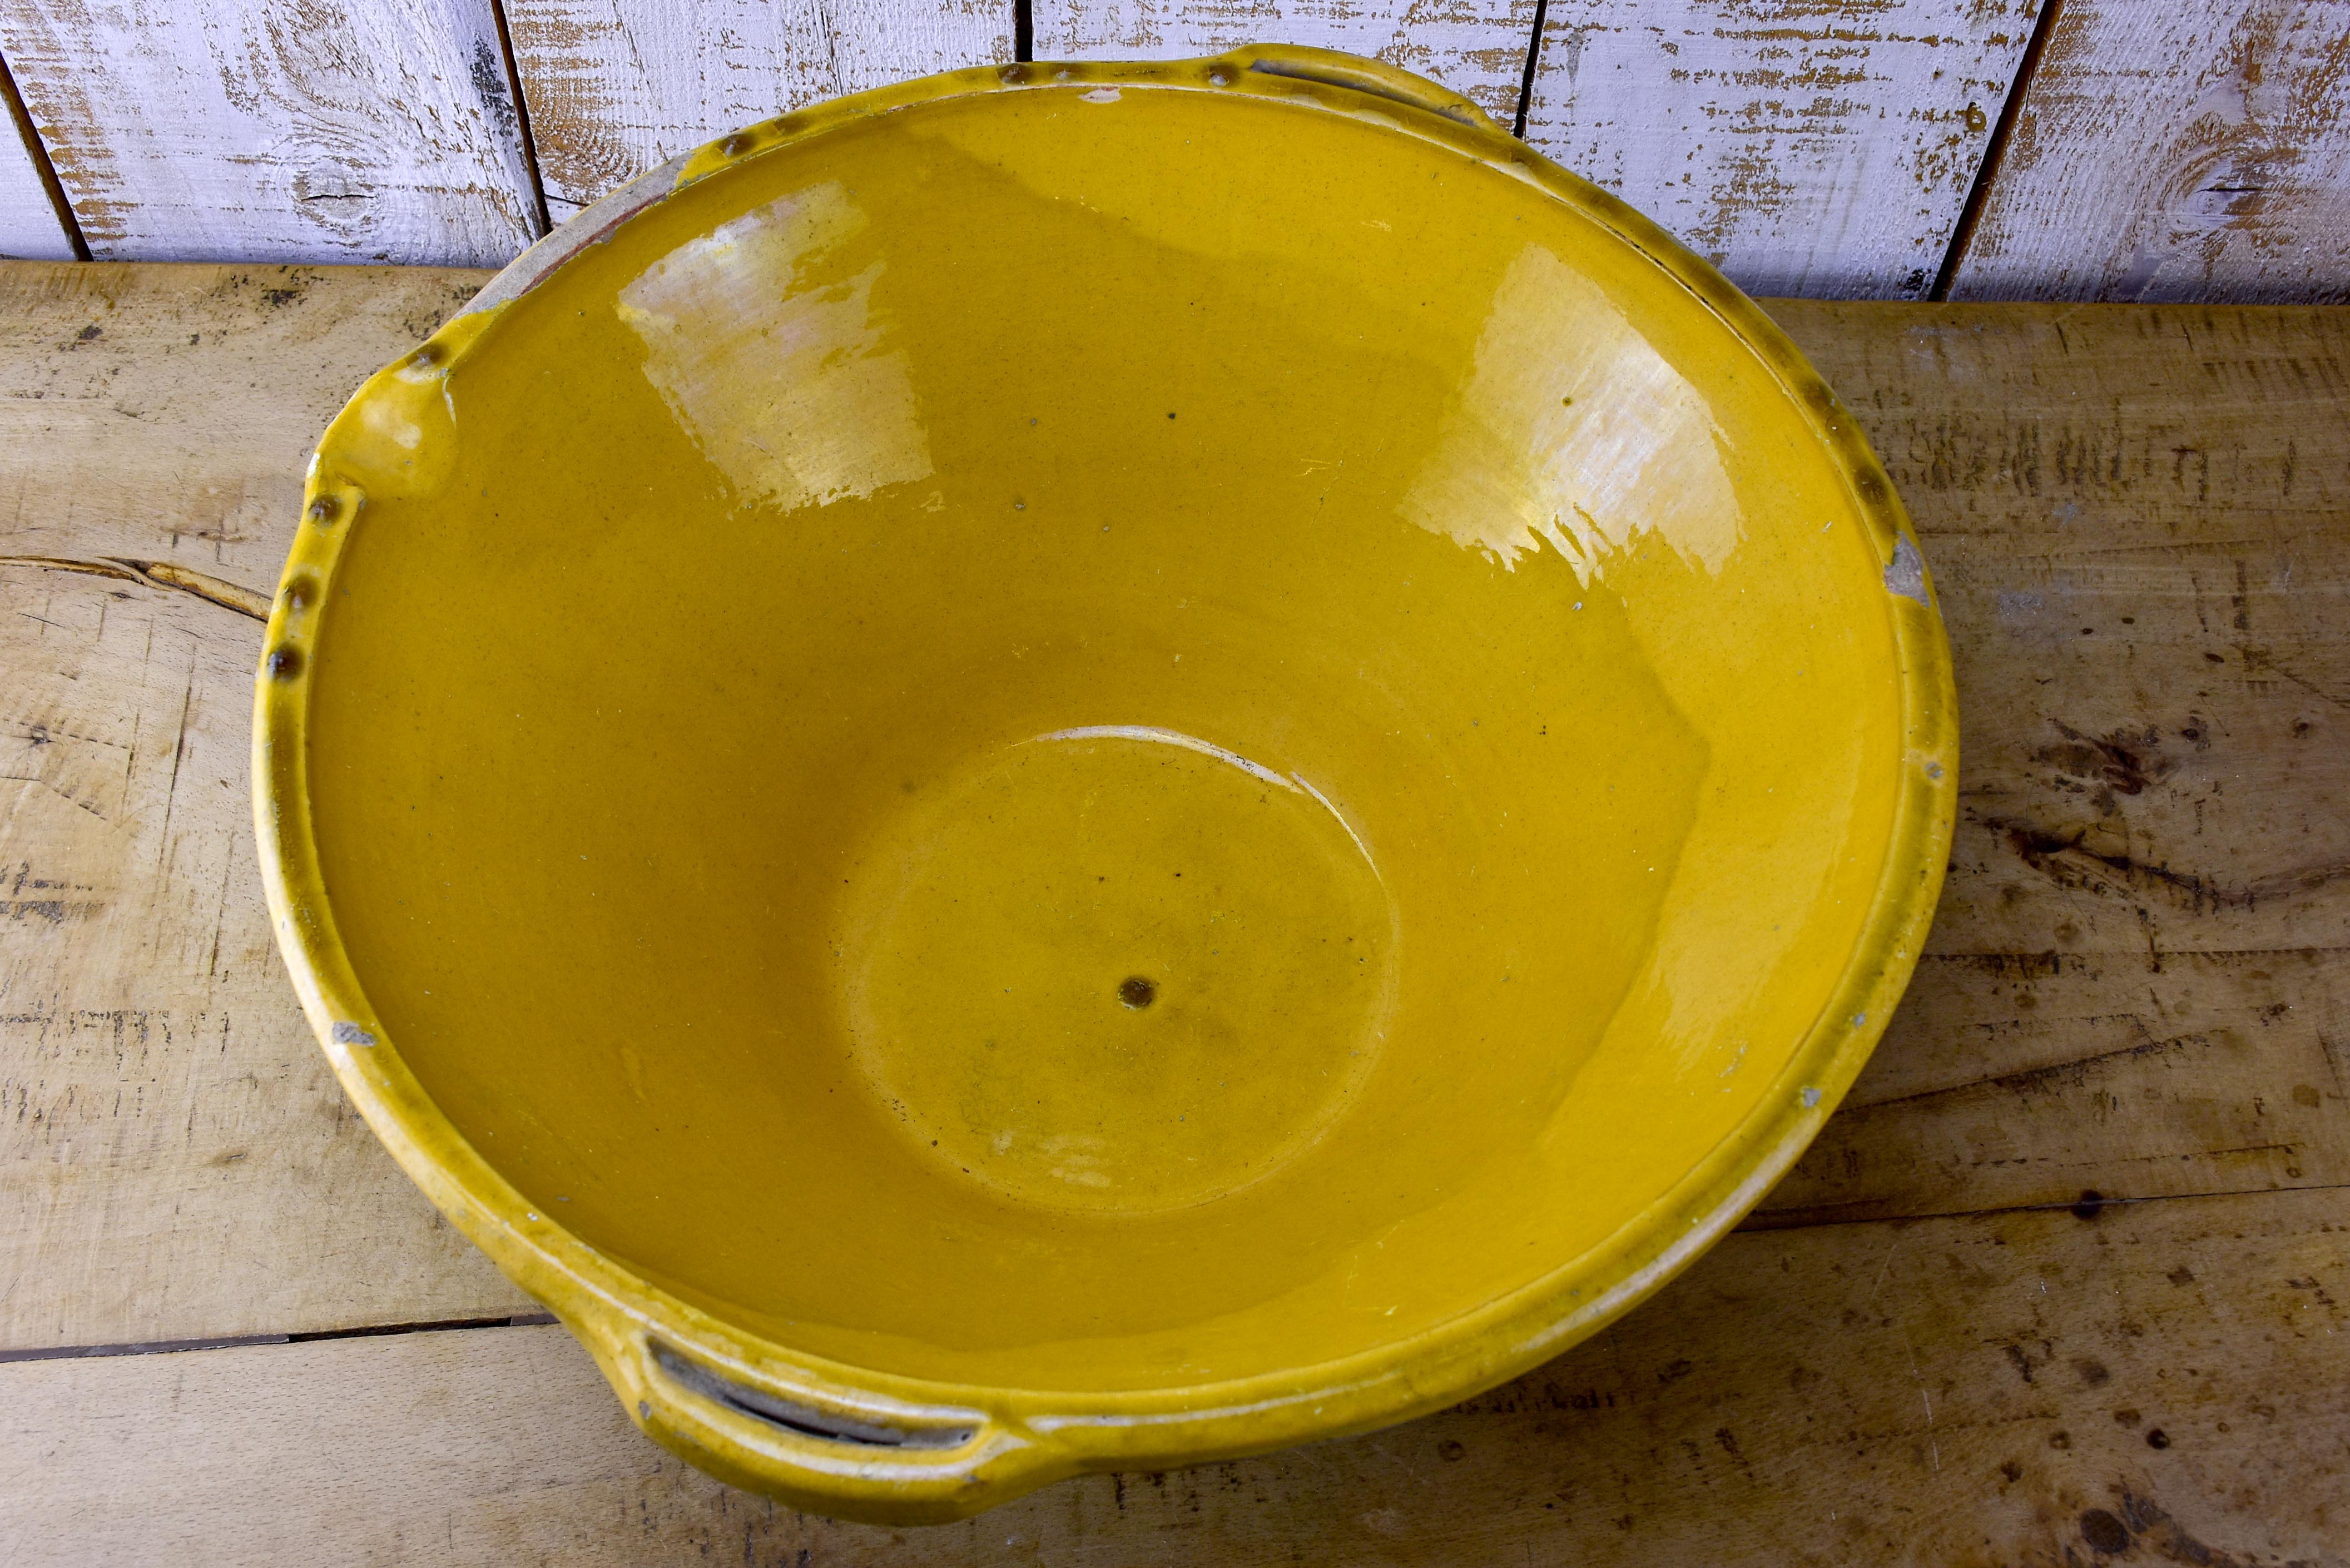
x=1025 y=745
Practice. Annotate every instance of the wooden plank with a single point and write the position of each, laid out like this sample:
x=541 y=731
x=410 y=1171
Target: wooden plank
x=167 y=412
x=2176 y=153
x=179 y=1161
x=2064 y=1077
x=2134 y=986
x=2138 y=523
x=278 y=130
x=1810 y=148
x=1476 y=48
x=176 y=1161
x=618 y=86
x=2163 y=1383
x=29 y=228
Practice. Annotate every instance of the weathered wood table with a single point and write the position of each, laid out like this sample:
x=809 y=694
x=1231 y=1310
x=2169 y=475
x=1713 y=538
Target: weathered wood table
x=2065 y=1280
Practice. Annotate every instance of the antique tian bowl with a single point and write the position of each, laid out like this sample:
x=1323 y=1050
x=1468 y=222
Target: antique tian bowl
x=1097 y=766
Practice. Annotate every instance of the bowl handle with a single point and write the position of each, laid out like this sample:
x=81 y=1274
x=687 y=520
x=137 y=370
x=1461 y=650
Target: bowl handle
x=1356 y=74
x=817 y=1450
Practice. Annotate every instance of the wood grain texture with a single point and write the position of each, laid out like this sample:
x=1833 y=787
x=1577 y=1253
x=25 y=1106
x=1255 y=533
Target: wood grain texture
x=28 y=219
x=2139 y=522
x=2164 y=1382
x=1476 y=48
x=2134 y=986
x=617 y=87
x=179 y=1161
x=167 y=412
x=2182 y=151
x=176 y=1160
x=277 y=130
x=1814 y=149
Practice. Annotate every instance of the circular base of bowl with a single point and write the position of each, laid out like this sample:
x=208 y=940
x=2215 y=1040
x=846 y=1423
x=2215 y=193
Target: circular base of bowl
x=1114 y=969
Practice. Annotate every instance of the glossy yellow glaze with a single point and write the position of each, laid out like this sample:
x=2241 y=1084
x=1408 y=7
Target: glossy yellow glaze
x=1091 y=767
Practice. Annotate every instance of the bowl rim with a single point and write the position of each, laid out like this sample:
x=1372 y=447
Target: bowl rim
x=1012 y=1438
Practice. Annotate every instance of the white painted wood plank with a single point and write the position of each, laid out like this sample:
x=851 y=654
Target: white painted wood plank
x=1476 y=48
x=309 y=130
x=1811 y=148
x=2176 y=152
x=29 y=223
x=616 y=86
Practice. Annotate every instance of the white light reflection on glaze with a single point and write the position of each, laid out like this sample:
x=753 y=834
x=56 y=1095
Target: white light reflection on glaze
x=1171 y=738
x=1207 y=749
x=784 y=382
x=1574 y=429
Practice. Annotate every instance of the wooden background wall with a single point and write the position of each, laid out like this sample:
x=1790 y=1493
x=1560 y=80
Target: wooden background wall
x=2117 y=150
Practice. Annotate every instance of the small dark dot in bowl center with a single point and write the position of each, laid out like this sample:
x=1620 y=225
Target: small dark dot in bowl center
x=1137 y=991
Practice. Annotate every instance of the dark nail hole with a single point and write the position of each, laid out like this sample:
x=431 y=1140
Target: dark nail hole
x=2103 y=1531
x=2157 y=1438
x=285 y=663
x=324 y=510
x=2092 y=1204
x=1137 y=991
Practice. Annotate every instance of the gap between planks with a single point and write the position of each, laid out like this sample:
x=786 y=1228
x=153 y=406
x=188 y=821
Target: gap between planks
x=38 y=153
x=244 y=1341
x=2010 y=108
x=2088 y=1207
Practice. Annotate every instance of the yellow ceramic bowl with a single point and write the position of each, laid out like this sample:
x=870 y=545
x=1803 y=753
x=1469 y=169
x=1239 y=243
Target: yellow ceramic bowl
x=1083 y=767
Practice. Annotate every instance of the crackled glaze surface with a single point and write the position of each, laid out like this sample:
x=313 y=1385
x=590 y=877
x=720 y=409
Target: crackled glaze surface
x=1257 y=848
